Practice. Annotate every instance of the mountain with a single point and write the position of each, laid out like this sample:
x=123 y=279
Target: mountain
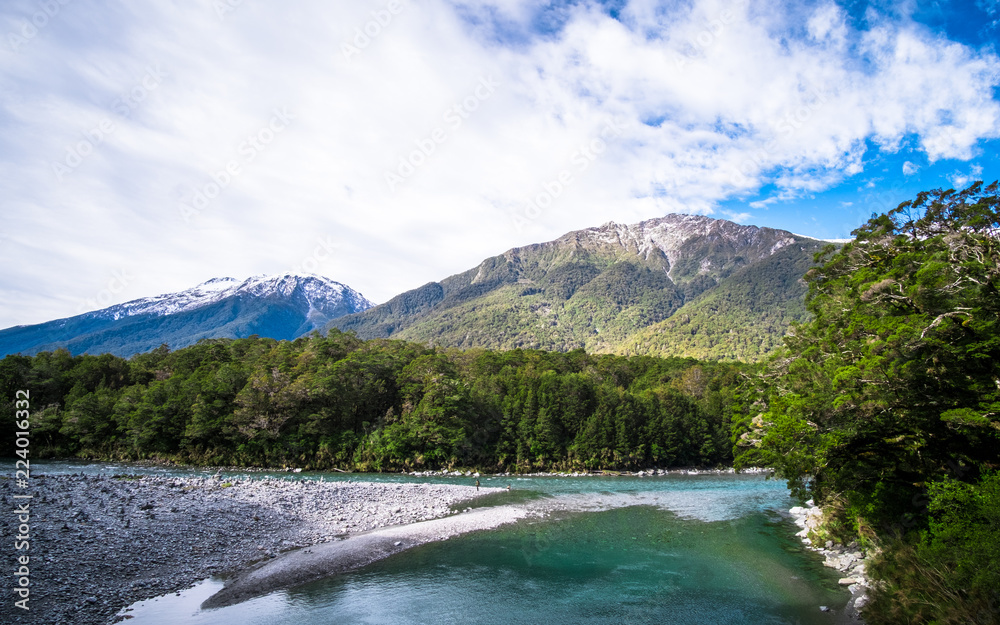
x=681 y=285
x=280 y=307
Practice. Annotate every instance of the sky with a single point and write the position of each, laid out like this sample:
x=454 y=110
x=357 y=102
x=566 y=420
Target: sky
x=148 y=147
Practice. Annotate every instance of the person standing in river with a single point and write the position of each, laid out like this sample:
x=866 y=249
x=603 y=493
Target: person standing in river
x=477 y=483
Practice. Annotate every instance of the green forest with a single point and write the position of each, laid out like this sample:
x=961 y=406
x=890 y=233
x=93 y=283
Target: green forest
x=379 y=405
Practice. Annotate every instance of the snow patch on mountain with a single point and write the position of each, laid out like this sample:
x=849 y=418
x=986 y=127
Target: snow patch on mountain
x=320 y=294
x=669 y=235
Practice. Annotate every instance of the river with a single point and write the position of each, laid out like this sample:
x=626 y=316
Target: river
x=678 y=549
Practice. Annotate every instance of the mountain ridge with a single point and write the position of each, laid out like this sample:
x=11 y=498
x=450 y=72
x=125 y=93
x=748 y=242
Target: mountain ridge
x=595 y=288
x=283 y=306
x=678 y=285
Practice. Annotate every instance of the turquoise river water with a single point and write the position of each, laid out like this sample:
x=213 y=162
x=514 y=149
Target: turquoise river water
x=706 y=549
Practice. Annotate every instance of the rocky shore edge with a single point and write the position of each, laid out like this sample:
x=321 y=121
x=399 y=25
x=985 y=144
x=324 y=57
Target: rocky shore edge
x=849 y=559
x=304 y=565
x=474 y=473
x=100 y=543
x=600 y=473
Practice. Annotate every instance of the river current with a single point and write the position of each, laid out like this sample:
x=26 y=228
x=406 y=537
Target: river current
x=699 y=549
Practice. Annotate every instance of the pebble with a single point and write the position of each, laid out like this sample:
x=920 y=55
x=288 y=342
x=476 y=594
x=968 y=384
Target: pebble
x=97 y=537
x=847 y=559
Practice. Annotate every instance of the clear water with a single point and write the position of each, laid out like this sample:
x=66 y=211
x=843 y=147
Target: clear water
x=627 y=565
x=679 y=549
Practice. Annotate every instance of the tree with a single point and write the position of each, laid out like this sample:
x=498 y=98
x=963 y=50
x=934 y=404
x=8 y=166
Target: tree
x=266 y=403
x=895 y=382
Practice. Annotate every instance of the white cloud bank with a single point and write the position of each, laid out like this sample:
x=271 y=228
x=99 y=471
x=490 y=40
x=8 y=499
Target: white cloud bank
x=387 y=144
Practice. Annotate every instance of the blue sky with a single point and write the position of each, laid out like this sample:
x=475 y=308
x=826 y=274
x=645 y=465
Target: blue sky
x=387 y=143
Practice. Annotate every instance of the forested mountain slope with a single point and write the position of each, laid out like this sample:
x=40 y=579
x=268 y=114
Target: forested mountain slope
x=677 y=285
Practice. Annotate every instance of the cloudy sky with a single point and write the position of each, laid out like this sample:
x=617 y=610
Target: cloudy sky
x=147 y=147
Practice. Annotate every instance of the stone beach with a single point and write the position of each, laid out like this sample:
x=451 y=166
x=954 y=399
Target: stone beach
x=849 y=559
x=99 y=544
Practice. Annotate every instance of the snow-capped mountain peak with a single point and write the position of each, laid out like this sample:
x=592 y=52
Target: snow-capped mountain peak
x=217 y=284
x=282 y=307
x=318 y=292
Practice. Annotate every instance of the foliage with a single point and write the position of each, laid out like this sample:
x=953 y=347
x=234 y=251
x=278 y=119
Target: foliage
x=951 y=575
x=890 y=396
x=380 y=405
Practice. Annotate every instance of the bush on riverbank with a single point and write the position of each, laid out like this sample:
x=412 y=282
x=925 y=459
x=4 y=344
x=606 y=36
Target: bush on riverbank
x=949 y=573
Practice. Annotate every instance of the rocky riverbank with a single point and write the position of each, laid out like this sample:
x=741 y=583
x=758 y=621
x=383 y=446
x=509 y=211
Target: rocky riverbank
x=598 y=473
x=100 y=543
x=848 y=559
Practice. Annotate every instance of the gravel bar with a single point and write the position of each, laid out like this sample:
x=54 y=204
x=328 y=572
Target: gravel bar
x=99 y=544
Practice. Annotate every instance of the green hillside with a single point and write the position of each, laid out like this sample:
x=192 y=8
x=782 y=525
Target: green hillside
x=744 y=318
x=679 y=285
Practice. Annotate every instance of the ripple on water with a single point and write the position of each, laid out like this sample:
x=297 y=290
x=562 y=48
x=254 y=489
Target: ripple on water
x=680 y=550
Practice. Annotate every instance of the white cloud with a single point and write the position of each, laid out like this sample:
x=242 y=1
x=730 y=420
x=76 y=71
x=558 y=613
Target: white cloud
x=909 y=168
x=741 y=218
x=763 y=204
x=714 y=99
x=960 y=180
x=827 y=23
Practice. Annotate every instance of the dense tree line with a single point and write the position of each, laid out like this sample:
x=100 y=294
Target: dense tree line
x=886 y=406
x=337 y=401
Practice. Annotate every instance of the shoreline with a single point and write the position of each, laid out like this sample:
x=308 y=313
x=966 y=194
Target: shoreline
x=102 y=543
x=323 y=560
x=596 y=473
x=464 y=472
x=848 y=559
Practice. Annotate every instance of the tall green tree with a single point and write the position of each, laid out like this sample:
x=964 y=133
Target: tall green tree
x=896 y=380
x=889 y=400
